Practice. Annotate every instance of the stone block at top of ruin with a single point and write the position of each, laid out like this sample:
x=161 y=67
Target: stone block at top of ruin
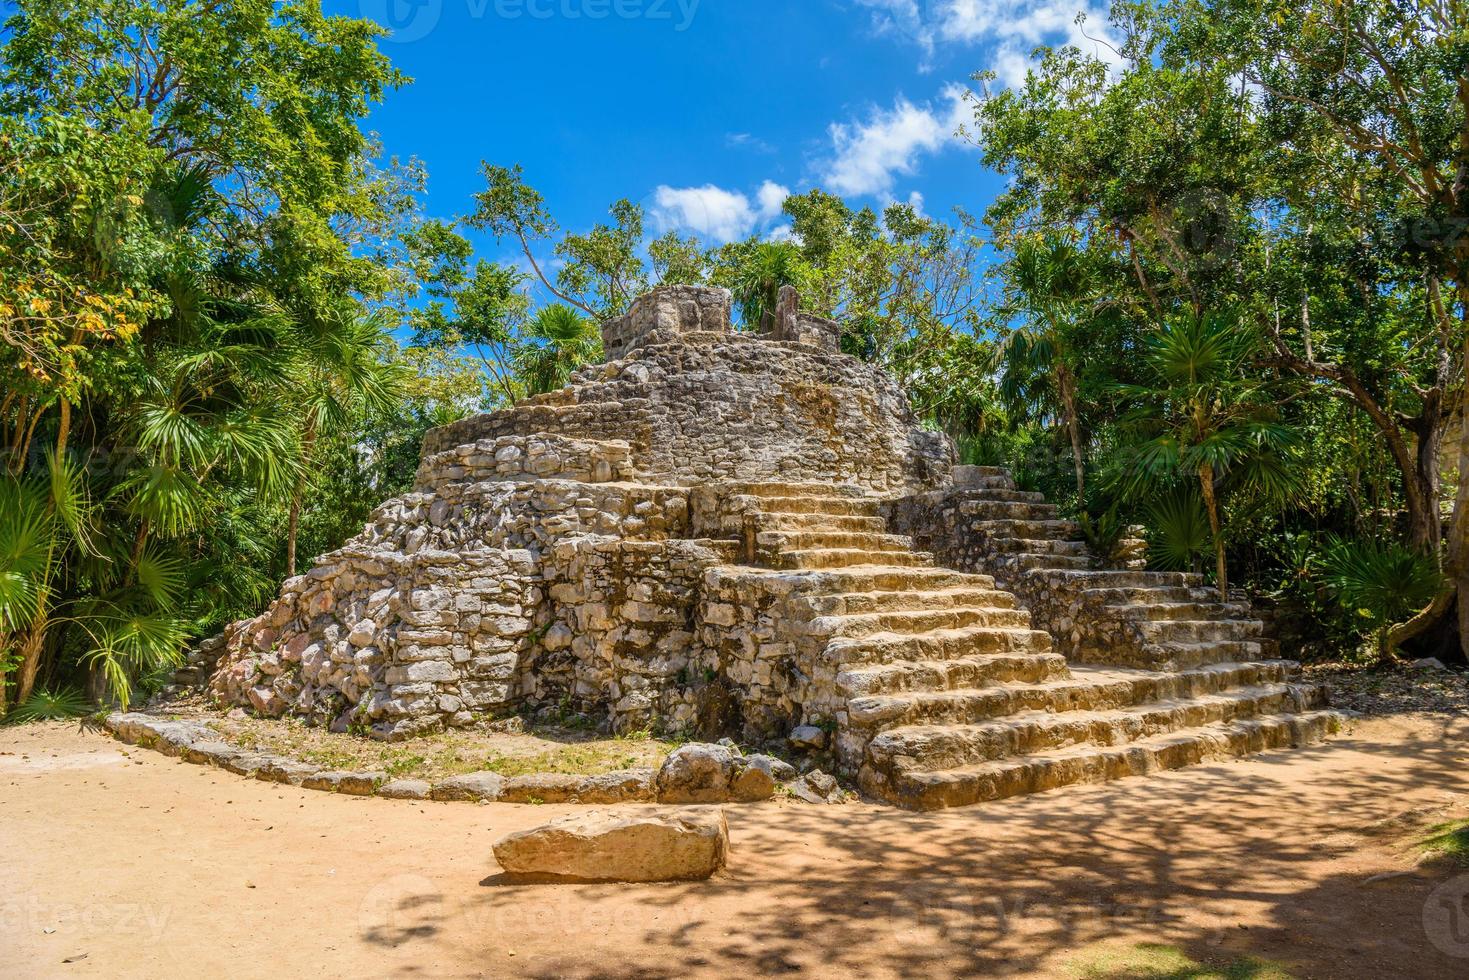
x=790 y=325
x=664 y=315
x=673 y=313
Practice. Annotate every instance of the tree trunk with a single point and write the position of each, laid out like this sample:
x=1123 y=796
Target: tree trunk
x=31 y=645
x=1067 y=386
x=1425 y=523
x=1211 y=504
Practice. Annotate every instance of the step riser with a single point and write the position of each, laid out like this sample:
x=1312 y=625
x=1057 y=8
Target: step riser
x=842 y=558
x=1126 y=578
x=1008 y=510
x=845 y=581
x=995 y=669
x=921 y=621
x=925 y=792
x=1187 y=631
x=1223 y=651
x=1173 y=611
x=836 y=506
x=859 y=603
x=775 y=542
x=822 y=522
x=872 y=651
x=1044 y=530
x=1037 y=546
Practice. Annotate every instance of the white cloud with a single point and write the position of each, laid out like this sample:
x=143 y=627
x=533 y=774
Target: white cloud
x=868 y=156
x=1013 y=28
x=748 y=141
x=715 y=214
x=772 y=198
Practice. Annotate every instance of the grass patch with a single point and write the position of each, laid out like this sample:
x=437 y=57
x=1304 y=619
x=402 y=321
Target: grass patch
x=1448 y=842
x=1156 y=961
x=551 y=749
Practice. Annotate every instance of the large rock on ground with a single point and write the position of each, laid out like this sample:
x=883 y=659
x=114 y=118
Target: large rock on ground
x=700 y=773
x=686 y=844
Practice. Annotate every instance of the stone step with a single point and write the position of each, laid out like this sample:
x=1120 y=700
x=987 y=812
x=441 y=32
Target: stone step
x=812 y=540
x=936 y=747
x=1053 y=529
x=1027 y=562
x=1086 y=690
x=842 y=506
x=938 y=675
x=849 y=557
x=947 y=644
x=999 y=494
x=1185 y=656
x=1096 y=578
x=1195 y=630
x=997 y=481
x=1128 y=595
x=917 y=621
x=1008 y=510
x=1039 y=546
x=822 y=522
x=1166 y=611
x=905 y=600
x=931 y=790
x=769 y=489
x=812 y=583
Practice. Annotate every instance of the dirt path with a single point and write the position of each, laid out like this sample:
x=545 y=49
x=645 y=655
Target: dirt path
x=148 y=867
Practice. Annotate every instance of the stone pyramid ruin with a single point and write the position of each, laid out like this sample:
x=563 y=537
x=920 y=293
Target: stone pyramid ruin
x=698 y=535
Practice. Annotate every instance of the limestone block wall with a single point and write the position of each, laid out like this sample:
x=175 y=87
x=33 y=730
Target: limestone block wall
x=461 y=601
x=735 y=407
x=664 y=315
x=623 y=631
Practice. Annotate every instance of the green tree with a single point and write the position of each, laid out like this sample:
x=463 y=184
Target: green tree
x=555 y=343
x=186 y=190
x=1052 y=287
x=343 y=373
x=1200 y=416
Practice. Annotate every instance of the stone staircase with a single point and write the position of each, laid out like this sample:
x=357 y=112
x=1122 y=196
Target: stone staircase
x=943 y=693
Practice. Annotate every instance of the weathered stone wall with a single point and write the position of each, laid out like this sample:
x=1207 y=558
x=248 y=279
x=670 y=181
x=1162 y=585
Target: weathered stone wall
x=736 y=407
x=457 y=600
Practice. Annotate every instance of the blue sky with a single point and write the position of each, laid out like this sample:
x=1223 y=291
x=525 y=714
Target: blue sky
x=705 y=111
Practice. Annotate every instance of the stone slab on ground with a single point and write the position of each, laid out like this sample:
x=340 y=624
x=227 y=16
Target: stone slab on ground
x=684 y=844
x=625 y=786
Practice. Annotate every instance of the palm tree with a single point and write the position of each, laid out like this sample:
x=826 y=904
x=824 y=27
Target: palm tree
x=556 y=342
x=757 y=281
x=1201 y=417
x=1381 y=581
x=342 y=372
x=1053 y=288
x=130 y=612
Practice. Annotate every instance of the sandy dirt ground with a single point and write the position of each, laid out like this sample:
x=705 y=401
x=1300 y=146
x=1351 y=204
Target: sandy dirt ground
x=119 y=862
